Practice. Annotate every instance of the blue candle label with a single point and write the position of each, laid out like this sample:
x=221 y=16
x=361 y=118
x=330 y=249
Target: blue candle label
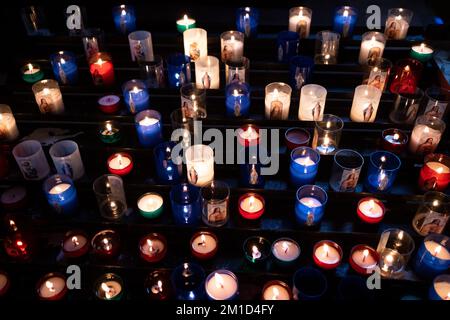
x=217 y=212
x=73 y=21
x=349 y=180
x=435 y=109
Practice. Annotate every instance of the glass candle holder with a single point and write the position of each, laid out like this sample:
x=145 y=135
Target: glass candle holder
x=188 y=281
x=48 y=96
x=394 y=249
x=433 y=256
x=193 y=101
x=327 y=254
x=67 y=159
x=215 y=196
x=257 y=250
x=232 y=46
x=200 y=164
x=251 y=206
x=195 y=42
x=312 y=102
x=406 y=107
x=158 y=286
x=52 y=287
x=346 y=170
x=141 y=45
x=109 y=104
x=204 y=245
x=34 y=21
x=148 y=127
x=277 y=101
x=180 y=121
x=383 y=169
x=124 y=18
x=300 y=21
x=426 y=135
x=31 y=72
x=309 y=284
x=109 y=287
x=105 y=244
x=237 y=71
x=365 y=103
x=437 y=100
x=397 y=23
x=135 y=96
x=120 y=163
x=433 y=214
x=310 y=205
x=221 y=285
x=435 y=173
x=287 y=44
x=303 y=166
x=150 y=205
x=248 y=136
x=61 y=194
x=407 y=74
x=101 y=69
x=327 y=134
x=109 y=132
x=237 y=99
x=296 y=137
x=422 y=52
x=376 y=73
x=344 y=20
x=14 y=198
x=110 y=195
x=372 y=47
x=31 y=160
x=300 y=71
x=250 y=172
x=207 y=72
x=168 y=170
x=370 y=210
x=363 y=259
x=75 y=244
x=327 y=47
x=185 y=23
x=247 y=20
x=64 y=65
x=185 y=200
x=178 y=70
x=394 y=140
x=286 y=252
x=276 y=290
x=18 y=247
x=152 y=73
x=5 y=283
x=92 y=40
x=153 y=247
x=440 y=288
x=8 y=127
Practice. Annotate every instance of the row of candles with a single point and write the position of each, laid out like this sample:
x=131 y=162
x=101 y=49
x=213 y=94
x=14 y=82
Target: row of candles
x=391 y=257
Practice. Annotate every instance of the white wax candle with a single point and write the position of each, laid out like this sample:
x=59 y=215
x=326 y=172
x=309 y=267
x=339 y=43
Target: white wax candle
x=327 y=254
x=50 y=100
x=365 y=103
x=442 y=289
x=301 y=24
x=310 y=202
x=111 y=289
x=8 y=127
x=221 y=286
x=74 y=243
x=422 y=48
x=312 y=102
x=304 y=161
x=59 y=188
x=251 y=204
x=52 y=287
x=147 y=121
x=277 y=105
x=207 y=72
x=424 y=139
x=200 y=165
x=364 y=259
x=31 y=69
x=285 y=250
x=3 y=281
x=232 y=49
x=370 y=49
x=150 y=202
x=204 y=244
x=119 y=162
x=195 y=43
x=152 y=247
x=437 y=250
x=371 y=209
x=396 y=27
x=438 y=167
x=276 y=292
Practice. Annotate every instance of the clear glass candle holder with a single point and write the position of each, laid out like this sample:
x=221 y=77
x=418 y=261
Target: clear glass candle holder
x=344 y=20
x=237 y=99
x=199 y=164
x=437 y=100
x=312 y=102
x=365 y=103
x=141 y=46
x=426 y=135
x=327 y=47
x=110 y=195
x=35 y=21
x=124 y=18
x=178 y=70
x=247 y=20
x=67 y=159
x=93 y=39
x=64 y=66
x=327 y=134
x=310 y=205
x=300 y=71
x=48 y=96
x=185 y=200
x=188 y=279
x=180 y=121
x=61 y=194
x=215 y=203
x=372 y=47
x=309 y=284
x=397 y=23
x=435 y=173
x=152 y=73
x=432 y=215
x=237 y=70
x=433 y=256
x=257 y=250
x=376 y=73
x=231 y=46
x=8 y=126
x=303 y=166
x=135 y=96
x=406 y=107
x=300 y=21
x=193 y=101
x=382 y=171
x=287 y=44
x=346 y=170
x=195 y=43
x=277 y=101
x=31 y=160
x=109 y=287
x=407 y=73
x=395 y=249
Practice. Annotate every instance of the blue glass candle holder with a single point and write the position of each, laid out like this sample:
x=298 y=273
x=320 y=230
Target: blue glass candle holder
x=124 y=18
x=185 y=200
x=237 y=99
x=433 y=257
x=300 y=71
x=310 y=205
x=64 y=65
x=247 y=20
x=166 y=170
x=287 y=45
x=188 y=280
x=383 y=169
x=304 y=165
x=178 y=69
x=136 y=96
x=61 y=194
x=345 y=20
x=309 y=284
x=148 y=127
x=440 y=288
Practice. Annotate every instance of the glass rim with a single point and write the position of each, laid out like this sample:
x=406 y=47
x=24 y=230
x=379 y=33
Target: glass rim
x=281 y=86
x=355 y=154
x=220 y=184
x=408 y=236
x=315 y=187
x=199 y=92
x=309 y=149
x=308 y=271
x=418 y=94
x=439 y=91
x=71 y=145
x=294 y=10
x=338 y=121
x=148 y=112
x=232 y=32
x=298 y=129
x=336 y=35
x=390 y=154
x=105 y=177
x=34 y=145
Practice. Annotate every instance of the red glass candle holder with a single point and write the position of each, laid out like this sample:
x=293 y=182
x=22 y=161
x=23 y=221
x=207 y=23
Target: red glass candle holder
x=394 y=140
x=370 y=210
x=280 y=291
x=204 y=245
x=251 y=206
x=296 y=137
x=363 y=259
x=6 y=283
x=153 y=247
x=435 y=173
x=406 y=76
x=248 y=135
x=52 y=287
x=105 y=244
x=158 y=286
x=14 y=198
x=75 y=244
x=109 y=104
x=101 y=69
x=120 y=163
x=17 y=247
x=327 y=254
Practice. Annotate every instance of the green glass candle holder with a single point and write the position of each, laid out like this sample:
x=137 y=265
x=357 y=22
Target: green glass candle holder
x=150 y=205
x=31 y=73
x=109 y=287
x=185 y=23
x=421 y=52
x=257 y=250
x=109 y=132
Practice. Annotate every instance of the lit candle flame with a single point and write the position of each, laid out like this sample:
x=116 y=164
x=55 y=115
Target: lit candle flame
x=109 y=127
x=185 y=18
x=75 y=241
x=400 y=235
x=345 y=14
x=235 y=93
x=326 y=141
x=160 y=288
x=62 y=61
x=407 y=68
x=150 y=245
x=123 y=13
x=106 y=244
x=399 y=17
x=109 y=292
x=437 y=250
x=255 y=252
x=276 y=293
x=218 y=280
x=30 y=67
x=396 y=136
x=371 y=205
x=422 y=47
x=365 y=255
x=136 y=90
x=436 y=203
x=383 y=159
x=99 y=61
x=50 y=286
x=285 y=246
x=328 y=124
x=119 y=159
x=439 y=170
x=232 y=39
x=46 y=91
x=203 y=240
x=185 y=188
x=251 y=202
x=326 y=249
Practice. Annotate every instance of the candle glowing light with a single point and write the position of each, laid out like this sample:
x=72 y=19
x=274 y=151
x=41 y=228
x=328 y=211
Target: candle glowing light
x=437 y=250
x=75 y=241
x=109 y=291
x=285 y=246
x=325 y=250
x=50 y=286
x=218 y=280
x=256 y=254
x=365 y=255
x=276 y=293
